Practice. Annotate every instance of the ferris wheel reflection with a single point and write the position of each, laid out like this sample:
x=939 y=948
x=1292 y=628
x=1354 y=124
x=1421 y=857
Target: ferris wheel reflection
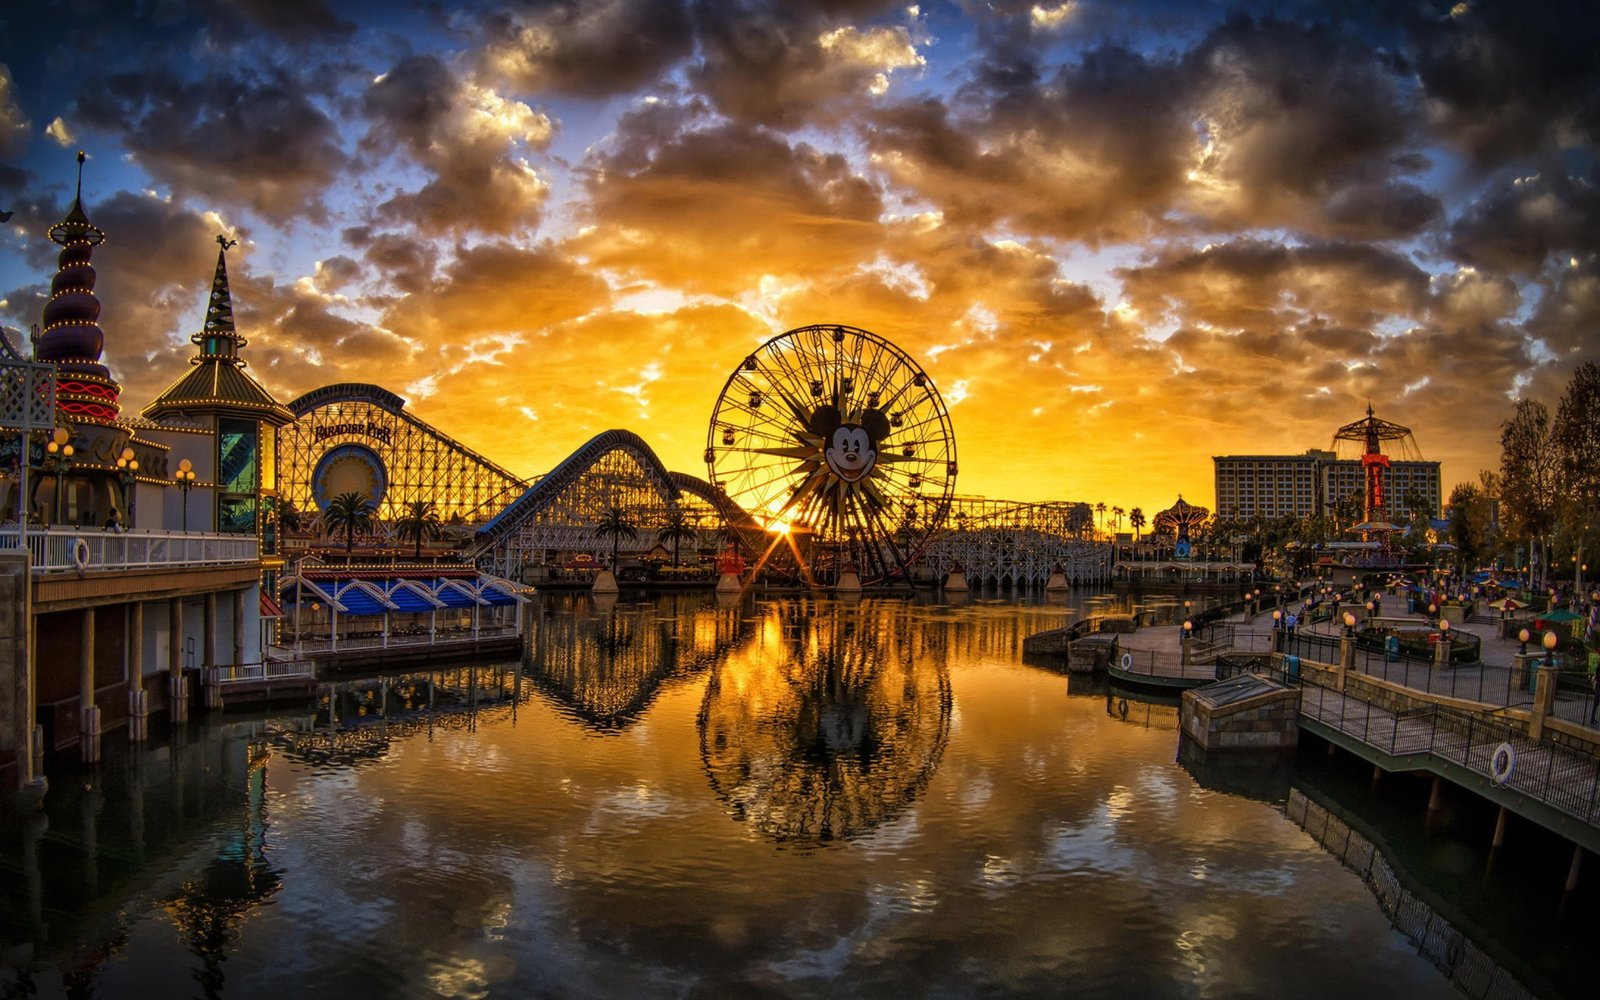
x=826 y=726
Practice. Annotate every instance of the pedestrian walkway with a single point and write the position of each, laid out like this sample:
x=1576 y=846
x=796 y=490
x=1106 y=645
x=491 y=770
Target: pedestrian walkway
x=1491 y=681
x=1540 y=772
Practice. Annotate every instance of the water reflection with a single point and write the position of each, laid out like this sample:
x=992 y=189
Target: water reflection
x=605 y=662
x=358 y=721
x=828 y=724
x=179 y=828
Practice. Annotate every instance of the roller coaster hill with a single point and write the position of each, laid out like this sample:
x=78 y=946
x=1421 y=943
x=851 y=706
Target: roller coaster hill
x=772 y=506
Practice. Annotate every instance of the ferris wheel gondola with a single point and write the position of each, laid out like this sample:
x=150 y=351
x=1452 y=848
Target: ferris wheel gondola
x=834 y=436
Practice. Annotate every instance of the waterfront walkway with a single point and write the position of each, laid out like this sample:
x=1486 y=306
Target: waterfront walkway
x=1553 y=783
x=1493 y=680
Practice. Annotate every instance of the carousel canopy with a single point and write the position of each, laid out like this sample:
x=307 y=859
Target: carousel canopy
x=1181 y=516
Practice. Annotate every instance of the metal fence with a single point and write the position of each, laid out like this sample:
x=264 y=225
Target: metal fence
x=1542 y=770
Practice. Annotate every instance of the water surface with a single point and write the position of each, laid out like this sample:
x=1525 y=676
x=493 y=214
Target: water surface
x=683 y=798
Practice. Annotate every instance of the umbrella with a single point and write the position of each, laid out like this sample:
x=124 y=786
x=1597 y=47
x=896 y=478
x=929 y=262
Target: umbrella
x=1507 y=604
x=1560 y=615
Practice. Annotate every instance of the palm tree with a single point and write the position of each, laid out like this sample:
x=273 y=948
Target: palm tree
x=1100 y=514
x=617 y=525
x=351 y=512
x=288 y=516
x=1136 y=518
x=1117 y=512
x=420 y=521
x=676 y=529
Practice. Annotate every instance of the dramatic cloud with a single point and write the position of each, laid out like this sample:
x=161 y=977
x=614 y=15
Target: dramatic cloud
x=1120 y=237
x=466 y=138
x=778 y=210
x=1097 y=154
x=1505 y=80
x=781 y=64
x=588 y=48
x=256 y=141
x=13 y=123
x=1517 y=225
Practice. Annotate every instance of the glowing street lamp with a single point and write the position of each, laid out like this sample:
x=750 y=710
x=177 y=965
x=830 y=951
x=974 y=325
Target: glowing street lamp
x=185 y=480
x=1523 y=638
x=127 y=471
x=1349 y=623
x=60 y=452
x=1550 y=649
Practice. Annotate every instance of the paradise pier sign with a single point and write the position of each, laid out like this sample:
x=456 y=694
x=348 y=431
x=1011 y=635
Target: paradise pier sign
x=368 y=429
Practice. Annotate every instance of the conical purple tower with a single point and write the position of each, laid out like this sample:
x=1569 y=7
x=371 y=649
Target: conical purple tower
x=71 y=338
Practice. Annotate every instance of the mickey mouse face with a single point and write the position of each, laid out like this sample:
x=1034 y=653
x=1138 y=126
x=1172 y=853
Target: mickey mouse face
x=850 y=453
x=851 y=450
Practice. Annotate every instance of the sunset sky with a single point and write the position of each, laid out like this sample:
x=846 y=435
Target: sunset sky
x=1122 y=237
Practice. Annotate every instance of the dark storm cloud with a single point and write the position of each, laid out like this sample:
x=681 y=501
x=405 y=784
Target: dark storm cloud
x=1298 y=115
x=1255 y=285
x=1261 y=123
x=1384 y=210
x=253 y=140
x=298 y=20
x=13 y=122
x=1568 y=316
x=1097 y=155
x=584 y=48
x=783 y=64
x=1506 y=79
x=407 y=264
x=466 y=136
x=1519 y=222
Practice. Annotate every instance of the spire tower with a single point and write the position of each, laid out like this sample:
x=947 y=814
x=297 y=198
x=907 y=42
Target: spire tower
x=72 y=339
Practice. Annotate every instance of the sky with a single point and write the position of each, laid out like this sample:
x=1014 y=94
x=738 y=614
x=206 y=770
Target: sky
x=1121 y=237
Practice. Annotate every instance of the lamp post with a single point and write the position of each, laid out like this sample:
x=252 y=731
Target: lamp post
x=1550 y=641
x=60 y=453
x=1523 y=637
x=127 y=471
x=1349 y=624
x=1277 y=630
x=185 y=480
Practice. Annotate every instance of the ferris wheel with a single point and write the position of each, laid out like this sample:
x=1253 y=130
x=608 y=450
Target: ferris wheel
x=833 y=436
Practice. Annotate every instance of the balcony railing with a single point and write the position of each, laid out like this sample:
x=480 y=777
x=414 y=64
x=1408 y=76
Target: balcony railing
x=75 y=550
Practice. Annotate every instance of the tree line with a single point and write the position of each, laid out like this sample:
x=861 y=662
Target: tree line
x=1541 y=509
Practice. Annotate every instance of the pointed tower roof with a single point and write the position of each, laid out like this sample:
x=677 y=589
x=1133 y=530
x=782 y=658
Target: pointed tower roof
x=216 y=382
x=219 y=338
x=72 y=339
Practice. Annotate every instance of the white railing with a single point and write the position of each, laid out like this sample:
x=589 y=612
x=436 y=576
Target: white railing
x=270 y=671
x=444 y=639
x=72 y=550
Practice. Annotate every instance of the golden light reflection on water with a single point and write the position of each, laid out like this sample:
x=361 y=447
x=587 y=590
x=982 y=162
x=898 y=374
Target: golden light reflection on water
x=826 y=726
x=776 y=798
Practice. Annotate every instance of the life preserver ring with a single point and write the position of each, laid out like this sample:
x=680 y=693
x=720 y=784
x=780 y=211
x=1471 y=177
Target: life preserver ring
x=80 y=553
x=1502 y=763
x=1127 y=661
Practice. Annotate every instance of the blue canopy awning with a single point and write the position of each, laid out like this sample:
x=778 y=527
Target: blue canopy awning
x=409 y=600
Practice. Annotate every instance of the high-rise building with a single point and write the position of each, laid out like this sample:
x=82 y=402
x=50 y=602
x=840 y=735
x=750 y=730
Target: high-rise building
x=1271 y=486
